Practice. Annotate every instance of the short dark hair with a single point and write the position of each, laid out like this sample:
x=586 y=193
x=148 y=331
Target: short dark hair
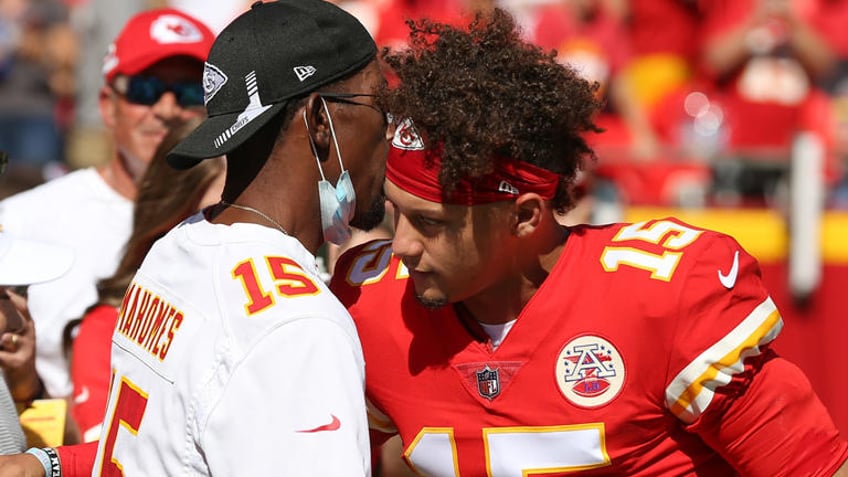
x=482 y=92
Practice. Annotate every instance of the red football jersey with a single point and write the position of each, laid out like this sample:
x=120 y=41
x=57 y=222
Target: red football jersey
x=91 y=372
x=644 y=352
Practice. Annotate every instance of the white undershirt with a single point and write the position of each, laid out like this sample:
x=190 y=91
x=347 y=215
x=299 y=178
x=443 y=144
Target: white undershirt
x=497 y=332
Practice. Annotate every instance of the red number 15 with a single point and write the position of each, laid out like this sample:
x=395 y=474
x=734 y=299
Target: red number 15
x=129 y=410
x=289 y=279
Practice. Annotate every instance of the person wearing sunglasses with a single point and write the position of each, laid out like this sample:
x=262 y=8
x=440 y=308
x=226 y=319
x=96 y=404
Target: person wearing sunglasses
x=151 y=84
x=148 y=90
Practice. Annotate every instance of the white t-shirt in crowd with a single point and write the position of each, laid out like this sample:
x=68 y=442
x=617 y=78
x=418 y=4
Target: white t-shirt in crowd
x=81 y=211
x=232 y=357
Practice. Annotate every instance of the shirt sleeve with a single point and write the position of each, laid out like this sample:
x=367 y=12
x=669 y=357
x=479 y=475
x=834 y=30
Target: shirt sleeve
x=299 y=400
x=728 y=386
x=724 y=320
x=77 y=460
x=777 y=427
x=91 y=370
x=381 y=426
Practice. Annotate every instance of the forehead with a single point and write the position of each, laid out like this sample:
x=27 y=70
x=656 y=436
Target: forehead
x=408 y=202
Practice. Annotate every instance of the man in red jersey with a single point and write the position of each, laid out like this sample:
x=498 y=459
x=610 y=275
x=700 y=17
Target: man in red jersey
x=501 y=343
x=194 y=391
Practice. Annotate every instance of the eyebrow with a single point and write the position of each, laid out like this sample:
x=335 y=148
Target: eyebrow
x=421 y=209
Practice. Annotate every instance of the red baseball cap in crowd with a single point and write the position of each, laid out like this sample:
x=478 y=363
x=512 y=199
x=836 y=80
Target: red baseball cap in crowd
x=155 y=35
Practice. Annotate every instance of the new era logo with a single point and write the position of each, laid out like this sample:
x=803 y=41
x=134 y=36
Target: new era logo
x=505 y=186
x=304 y=72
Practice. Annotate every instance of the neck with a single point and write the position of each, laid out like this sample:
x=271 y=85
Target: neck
x=290 y=209
x=504 y=300
x=119 y=178
x=281 y=182
x=500 y=303
x=257 y=212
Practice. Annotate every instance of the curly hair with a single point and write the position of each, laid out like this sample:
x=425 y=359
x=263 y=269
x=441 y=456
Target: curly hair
x=481 y=92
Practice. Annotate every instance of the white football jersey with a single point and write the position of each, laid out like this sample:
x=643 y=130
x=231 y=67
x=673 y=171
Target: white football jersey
x=231 y=357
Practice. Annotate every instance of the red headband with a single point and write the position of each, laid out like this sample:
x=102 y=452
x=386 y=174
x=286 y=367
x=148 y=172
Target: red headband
x=415 y=169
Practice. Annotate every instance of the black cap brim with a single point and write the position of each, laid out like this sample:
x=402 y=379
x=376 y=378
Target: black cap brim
x=204 y=142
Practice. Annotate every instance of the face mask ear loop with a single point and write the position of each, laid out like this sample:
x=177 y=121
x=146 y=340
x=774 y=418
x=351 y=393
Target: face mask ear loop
x=312 y=145
x=333 y=133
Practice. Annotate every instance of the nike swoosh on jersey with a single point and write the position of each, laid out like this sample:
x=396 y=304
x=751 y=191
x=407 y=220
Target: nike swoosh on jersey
x=729 y=280
x=82 y=396
x=334 y=425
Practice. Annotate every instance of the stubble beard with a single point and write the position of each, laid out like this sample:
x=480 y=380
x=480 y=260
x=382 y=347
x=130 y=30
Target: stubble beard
x=373 y=216
x=431 y=303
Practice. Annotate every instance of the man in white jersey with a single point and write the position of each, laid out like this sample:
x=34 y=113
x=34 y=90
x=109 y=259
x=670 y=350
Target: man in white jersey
x=152 y=77
x=231 y=356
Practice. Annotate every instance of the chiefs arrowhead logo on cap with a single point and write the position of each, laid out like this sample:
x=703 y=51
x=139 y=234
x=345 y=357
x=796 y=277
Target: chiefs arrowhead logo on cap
x=174 y=29
x=407 y=138
x=213 y=80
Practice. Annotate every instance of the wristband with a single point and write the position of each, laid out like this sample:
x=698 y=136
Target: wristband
x=49 y=460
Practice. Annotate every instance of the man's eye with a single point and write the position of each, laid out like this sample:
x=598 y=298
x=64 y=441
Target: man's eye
x=429 y=222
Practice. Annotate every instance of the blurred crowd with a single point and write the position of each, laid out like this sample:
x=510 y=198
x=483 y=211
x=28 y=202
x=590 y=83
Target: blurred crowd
x=704 y=98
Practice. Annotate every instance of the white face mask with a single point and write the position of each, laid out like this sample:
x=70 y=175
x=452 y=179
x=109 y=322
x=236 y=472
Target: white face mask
x=337 y=203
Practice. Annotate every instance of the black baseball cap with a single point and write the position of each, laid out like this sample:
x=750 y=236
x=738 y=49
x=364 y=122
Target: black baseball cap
x=270 y=54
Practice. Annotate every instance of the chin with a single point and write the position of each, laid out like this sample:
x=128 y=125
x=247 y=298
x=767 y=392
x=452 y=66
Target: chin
x=372 y=217
x=432 y=301
x=430 y=296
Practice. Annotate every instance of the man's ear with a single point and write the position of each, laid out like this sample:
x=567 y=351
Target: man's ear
x=528 y=209
x=107 y=103
x=318 y=125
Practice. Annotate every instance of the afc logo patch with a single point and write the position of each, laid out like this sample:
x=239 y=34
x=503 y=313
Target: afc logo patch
x=589 y=371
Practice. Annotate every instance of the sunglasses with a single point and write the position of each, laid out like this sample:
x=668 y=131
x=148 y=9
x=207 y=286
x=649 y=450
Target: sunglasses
x=345 y=99
x=147 y=90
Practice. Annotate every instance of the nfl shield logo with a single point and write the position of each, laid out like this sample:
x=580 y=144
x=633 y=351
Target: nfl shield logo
x=488 y=383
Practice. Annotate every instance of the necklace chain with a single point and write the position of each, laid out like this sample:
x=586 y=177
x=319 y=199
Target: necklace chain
x=257 y=212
